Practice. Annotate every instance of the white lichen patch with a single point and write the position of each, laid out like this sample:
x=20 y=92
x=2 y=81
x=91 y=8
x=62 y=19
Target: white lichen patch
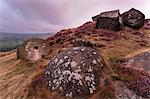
x=73 y=64
x=82 y=49
x=47 y=72
x=75 y=52
x=87 y=78
x=56 y=60
x=27 y=47
x=76 y=48
x=70 y=94
x=66 y=64
x=69 y=52
x=65 y=57
x=98 y=60
x=93 y=87
x=94 y=53
x=94 y=62
x=60 y=61
x=91 y=91
x=90 y=69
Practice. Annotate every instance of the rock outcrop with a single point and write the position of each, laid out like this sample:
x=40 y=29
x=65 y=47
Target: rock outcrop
x=139 y=64
x=113 y=20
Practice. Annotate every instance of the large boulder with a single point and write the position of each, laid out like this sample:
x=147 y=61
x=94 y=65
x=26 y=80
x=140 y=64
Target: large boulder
x=133 y=18
x=123 y=92
x=108 y=20
x=75 y=72
x=138 y=67
x=33 y=49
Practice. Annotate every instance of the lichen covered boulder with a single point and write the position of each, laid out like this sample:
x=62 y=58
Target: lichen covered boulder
x=33 y=49
x=133 y=18
x=75 y=72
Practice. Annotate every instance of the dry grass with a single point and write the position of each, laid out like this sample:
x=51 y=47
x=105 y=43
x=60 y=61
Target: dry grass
x=22 y=80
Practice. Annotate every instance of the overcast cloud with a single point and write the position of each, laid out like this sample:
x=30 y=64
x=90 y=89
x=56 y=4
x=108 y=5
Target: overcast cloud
x=54 y=15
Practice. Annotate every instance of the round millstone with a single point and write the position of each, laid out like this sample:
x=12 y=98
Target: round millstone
x=74 y=72
x=33 y=49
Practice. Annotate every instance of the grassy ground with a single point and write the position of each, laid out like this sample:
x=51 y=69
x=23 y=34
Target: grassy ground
x=20 y=79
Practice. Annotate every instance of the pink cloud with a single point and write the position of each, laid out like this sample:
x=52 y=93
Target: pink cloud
x=53 y=15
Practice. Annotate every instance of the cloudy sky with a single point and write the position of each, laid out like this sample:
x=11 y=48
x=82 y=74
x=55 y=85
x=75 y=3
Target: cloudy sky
x=53 y=15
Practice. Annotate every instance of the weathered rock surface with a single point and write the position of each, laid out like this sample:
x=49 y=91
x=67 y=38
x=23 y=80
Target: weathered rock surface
x=123 y=92
x=108 y=20
x=139 y=61
x=139 y=64
x=75 y=72
x=33 y=49
x=133 y=18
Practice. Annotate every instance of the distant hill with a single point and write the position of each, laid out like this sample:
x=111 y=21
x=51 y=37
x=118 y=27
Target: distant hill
x=10 y=41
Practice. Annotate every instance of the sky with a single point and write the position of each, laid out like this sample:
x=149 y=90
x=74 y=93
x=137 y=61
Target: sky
x=40 y=16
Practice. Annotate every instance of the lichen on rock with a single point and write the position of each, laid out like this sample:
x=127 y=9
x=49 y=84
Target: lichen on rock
x=33 y=49
x=75 y=72
x=138 y=64
x=133 y=18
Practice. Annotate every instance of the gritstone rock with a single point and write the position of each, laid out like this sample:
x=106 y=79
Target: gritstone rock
x=139 y=63
x=133 y=18
x=108 y=20
x=94 y=18
x=123 y=92
x=33 y=49
x=75 y=72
